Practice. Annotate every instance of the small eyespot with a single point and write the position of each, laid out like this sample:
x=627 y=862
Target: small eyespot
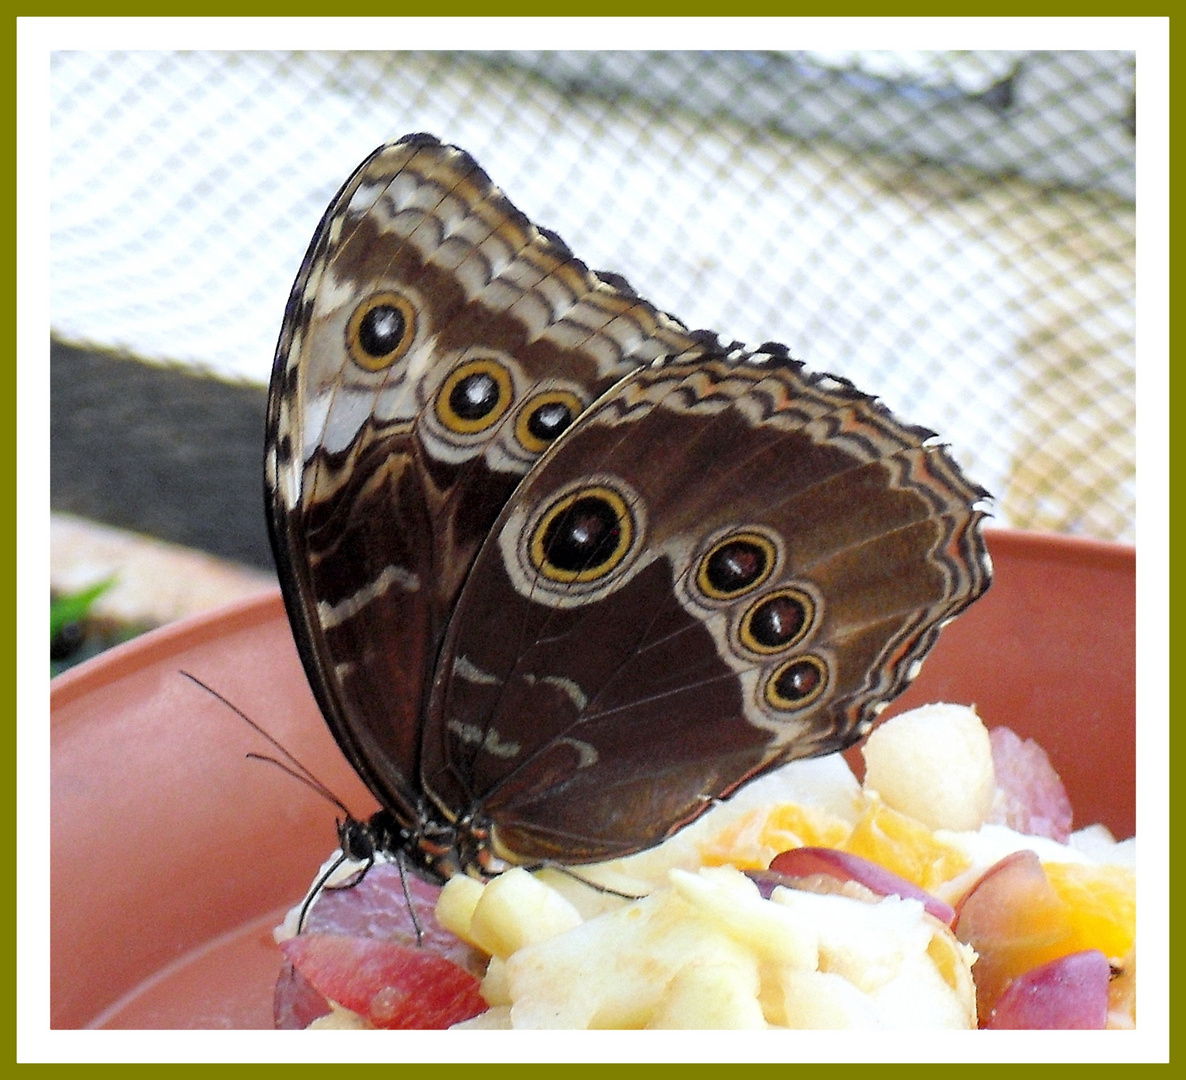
x=380 y=331
x=777 y=621
x=796 y=683
x=544 y=417
x=583 y=536
x=475 y=396
x=736 y=565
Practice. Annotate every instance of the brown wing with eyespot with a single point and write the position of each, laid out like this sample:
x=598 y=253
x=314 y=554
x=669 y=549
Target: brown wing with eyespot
x=435 y=343
x=744 y=578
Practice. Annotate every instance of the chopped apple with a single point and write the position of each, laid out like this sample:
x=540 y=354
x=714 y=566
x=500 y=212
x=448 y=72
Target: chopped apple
x=516 y=910
x=935 y=764
x=711 y=996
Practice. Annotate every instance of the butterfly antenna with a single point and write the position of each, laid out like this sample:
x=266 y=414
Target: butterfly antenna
x=294 y=768
x=312 y=783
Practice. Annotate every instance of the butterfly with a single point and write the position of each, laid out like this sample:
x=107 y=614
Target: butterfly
x=563 y=573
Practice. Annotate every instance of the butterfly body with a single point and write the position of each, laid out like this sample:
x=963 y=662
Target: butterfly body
x=561 y=571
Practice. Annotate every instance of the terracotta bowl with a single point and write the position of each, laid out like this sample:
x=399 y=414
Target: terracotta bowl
x=173 y=856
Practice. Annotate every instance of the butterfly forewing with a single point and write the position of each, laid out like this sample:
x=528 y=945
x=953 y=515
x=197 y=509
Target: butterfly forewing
x=434 y=345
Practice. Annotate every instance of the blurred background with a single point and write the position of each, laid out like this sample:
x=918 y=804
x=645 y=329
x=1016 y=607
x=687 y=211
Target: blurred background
x=953 y=231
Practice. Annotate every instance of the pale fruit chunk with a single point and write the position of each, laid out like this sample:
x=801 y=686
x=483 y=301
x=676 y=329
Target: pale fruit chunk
x=339 y=1019
x=515 y=910
x=730 y=901
x=933 y=763
x=866 y=943
x=503 y=915
x=711 y=997
x=933 y=990
x=908 y=964
x=495 y=987
x=455 y=905
x=822 y=1001
x=614 y=971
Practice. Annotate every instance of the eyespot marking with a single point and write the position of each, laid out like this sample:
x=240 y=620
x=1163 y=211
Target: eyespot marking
x=796 y=683
x=475 y=396
x=544 y=417
x=380 y=331
x=736 y=564
x=583 y=535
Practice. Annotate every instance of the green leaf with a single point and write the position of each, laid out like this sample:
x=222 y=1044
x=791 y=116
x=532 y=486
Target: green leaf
x=75 y=607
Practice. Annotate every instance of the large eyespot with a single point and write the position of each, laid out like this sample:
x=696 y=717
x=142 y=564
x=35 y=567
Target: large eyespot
x=780 y=619
x=797 y=683
x=583 y=535
x=380 y=330
x=735 y=565
x=544 y=417
x=475 y=396
x=573 y=545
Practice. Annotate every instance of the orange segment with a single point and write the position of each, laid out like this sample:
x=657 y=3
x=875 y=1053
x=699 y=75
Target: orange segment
x=752 y=840
x=905 y=846
x=1101 y=903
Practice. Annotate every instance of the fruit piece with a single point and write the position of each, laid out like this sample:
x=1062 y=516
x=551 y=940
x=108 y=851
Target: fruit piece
x=1070 y=992
x=913 y=970
x=377 y=907
x=935 y=764
x=614 y=971
x=1101 y=903
x=455 y=906
x=906 y=847
x=821 y=1000
x=844 y=866
x=727 y=901
x=1021 y=915
x=711 y=997
x=1015 y=921
x=1031 y=798
x=392 y=985
x=753 y=839
x=295 y=1004
x=515 y=910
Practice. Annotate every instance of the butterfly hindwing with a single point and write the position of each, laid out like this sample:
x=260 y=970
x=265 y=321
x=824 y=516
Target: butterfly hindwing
x=726 y=565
